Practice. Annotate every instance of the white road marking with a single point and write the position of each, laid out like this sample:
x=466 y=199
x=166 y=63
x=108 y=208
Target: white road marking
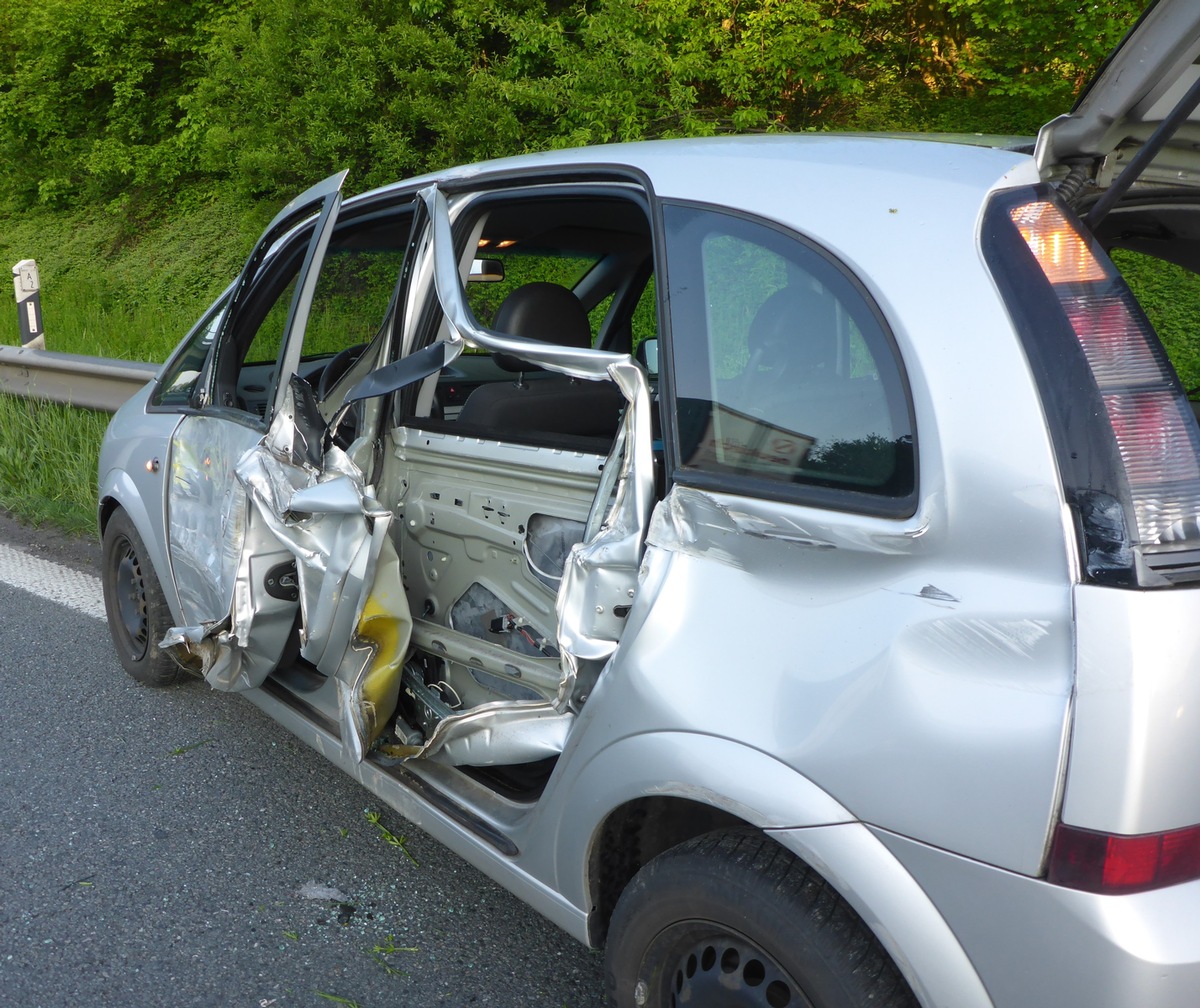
x=64 y=585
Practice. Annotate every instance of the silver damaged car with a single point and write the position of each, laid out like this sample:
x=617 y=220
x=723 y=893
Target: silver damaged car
x=775 y=559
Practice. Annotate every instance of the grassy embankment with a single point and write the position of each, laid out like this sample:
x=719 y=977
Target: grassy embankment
x=108 y=290
x=111 y=291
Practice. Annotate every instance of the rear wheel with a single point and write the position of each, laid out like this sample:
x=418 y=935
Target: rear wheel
x=732 y=920
x=136 y=607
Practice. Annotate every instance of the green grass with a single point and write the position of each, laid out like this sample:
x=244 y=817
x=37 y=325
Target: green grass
x=48 y=463
x=112 y=287
x=81 y=318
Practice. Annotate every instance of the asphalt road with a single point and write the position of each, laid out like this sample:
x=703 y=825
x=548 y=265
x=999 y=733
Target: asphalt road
x=163 y=848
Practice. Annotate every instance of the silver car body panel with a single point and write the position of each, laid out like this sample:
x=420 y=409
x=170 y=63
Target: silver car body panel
x=961 y=634
x=927 y=714
x=1137 y=716
x=132 y=460
x=207 y=514
x=1061 y=946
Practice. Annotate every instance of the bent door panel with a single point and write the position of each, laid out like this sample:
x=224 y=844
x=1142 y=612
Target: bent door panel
x=227 y=565
x=236 y=581
x=484 y=531
x=521 y=521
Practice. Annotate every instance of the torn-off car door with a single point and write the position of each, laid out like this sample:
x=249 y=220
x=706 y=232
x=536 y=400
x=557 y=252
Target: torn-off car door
x=312 y=535
x=600 y=575
x=263 y=526
x=354 y=622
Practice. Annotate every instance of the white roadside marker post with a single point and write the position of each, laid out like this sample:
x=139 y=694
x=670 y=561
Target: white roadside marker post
x=27 y=287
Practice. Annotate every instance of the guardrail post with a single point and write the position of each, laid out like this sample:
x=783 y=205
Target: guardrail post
x=27 y=287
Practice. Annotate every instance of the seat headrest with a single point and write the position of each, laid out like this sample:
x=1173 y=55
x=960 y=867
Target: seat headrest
x=793 y=323
x=542 y=311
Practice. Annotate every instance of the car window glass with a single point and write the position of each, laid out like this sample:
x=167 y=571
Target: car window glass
x=268 y=338
x=352 y=296
x=179 y=381
x=349 y=302
x=783 y=372
x=353 y=290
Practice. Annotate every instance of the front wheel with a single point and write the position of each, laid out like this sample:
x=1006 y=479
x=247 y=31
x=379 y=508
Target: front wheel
x=732 y=920
x=137 y=611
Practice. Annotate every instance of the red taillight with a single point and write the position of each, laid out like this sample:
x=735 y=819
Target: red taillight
x=1150 y=429
x=1112 y=339
x=1114 y=864
x=1151 y=419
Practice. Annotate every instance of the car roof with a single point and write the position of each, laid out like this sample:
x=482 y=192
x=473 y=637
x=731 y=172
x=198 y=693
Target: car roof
x=902 y=213
x=786 y=177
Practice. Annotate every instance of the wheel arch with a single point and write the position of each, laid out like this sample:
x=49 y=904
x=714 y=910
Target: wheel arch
x=634 y=834
x=658 y=789
x=119 y=491
x=661 y=790
x=107 y=507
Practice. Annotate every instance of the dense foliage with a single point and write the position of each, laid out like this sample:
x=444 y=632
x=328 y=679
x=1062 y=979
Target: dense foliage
x=119 y=100
x=147 y=141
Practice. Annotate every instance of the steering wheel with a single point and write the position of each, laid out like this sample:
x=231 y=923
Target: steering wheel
x=335 y=370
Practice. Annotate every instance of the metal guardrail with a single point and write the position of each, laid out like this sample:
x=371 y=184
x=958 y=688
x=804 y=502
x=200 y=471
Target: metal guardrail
x=99 y=383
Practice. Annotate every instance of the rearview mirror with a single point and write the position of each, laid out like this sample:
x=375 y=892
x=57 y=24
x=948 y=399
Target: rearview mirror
x=486 y=271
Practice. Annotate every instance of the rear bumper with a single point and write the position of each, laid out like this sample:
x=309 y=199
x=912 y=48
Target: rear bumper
x=1032 y=943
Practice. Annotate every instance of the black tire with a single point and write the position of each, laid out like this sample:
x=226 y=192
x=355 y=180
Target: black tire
x=731 y=919
x=137 y=609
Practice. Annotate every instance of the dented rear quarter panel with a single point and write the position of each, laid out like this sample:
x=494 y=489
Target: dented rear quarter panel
x=915 y=673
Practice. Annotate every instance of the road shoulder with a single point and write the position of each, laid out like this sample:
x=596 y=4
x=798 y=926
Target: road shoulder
x=80 y=553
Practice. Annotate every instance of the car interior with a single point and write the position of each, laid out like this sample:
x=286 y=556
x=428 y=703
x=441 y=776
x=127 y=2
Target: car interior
x=497 y=480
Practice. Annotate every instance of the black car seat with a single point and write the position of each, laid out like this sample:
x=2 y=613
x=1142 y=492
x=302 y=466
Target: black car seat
x=553 y=403
x=800 y=378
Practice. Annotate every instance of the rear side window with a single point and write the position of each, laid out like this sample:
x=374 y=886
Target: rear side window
x=784 y=375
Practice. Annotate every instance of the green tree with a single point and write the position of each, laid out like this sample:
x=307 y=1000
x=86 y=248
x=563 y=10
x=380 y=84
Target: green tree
x=89 y=93
x=100 y=99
